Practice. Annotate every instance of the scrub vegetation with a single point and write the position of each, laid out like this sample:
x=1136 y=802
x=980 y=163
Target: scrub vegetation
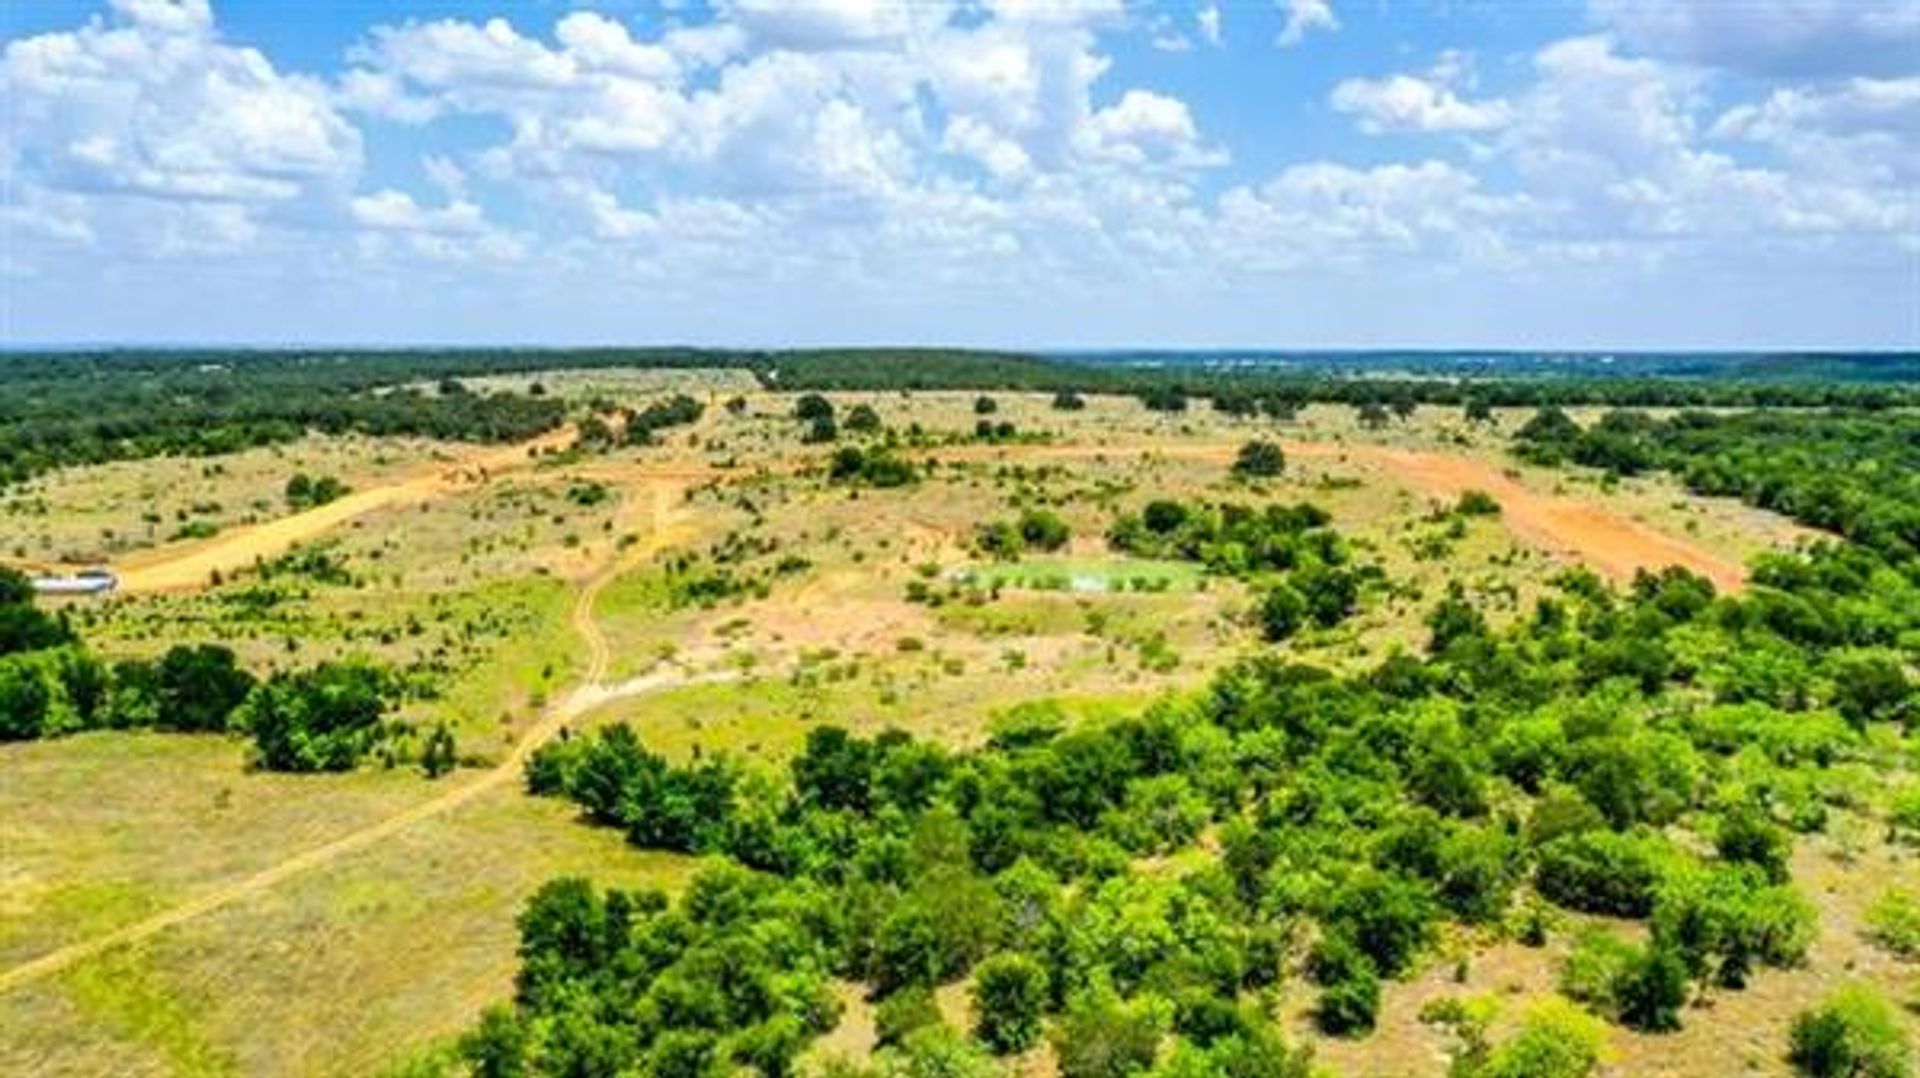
x=830 y=714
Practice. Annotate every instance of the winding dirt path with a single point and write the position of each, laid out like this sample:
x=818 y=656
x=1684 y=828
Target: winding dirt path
x=667 y=527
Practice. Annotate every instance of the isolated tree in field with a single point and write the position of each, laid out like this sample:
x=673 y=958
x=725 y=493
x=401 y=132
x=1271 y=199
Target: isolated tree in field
x=305 y=492
x=1068 y=401
x=1260 y=459
x=985 y=406
x=1009 y=994
x=1853 y=1034
x=1164 y=399
x=1043 y=530
x=812 y=406
x=862 y=419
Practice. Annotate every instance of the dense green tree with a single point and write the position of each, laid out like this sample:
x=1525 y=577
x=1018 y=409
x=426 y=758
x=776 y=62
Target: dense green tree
x=1009 y=995
x=1043 y=530
x=1350 y=987
x=1854 y=1033
x=1259 y=459
x=809 y=407
x=323 y=719
x=1282 y=612
x=1651 y=989
x=200 y=686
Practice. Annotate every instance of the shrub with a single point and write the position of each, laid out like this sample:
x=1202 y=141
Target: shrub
x=1009 y=993
x=1601 y=872
x=1593 y=969
x=1350 y=996
x=1650 y=990
x=1000 y=539
x=1555 y=1041
x=1853 y=1034
x=1282 y=612
x=1725 y=919
x=26 y=700
x=1893 y=921
x=1259 y=459
x=1747 y=836
x=1101 y=1037
x=1068 y=401
x=902 y=1013
x=1043 y=530
x=1477 y=503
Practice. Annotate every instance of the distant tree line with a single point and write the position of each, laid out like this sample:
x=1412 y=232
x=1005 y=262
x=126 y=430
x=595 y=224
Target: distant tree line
x=59 y=409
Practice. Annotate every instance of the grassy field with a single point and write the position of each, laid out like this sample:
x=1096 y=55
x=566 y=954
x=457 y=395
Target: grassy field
x=867 y=608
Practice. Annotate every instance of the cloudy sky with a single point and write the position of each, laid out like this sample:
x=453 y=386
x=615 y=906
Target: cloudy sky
x=1607 y=173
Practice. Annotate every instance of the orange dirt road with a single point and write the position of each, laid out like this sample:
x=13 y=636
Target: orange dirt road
x=1617 y=546
x=1613 y=544
x=178 y=568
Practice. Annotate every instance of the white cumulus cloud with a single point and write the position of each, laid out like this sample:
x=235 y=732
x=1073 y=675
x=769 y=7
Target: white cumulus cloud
x=1414 y=103
x=1304 y=17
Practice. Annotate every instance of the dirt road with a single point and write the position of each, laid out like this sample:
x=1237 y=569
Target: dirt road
x=663 y=511
x=181 y=568
x=1615 y=545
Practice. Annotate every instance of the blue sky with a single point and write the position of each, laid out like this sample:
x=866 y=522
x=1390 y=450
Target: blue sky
x=1288 y=173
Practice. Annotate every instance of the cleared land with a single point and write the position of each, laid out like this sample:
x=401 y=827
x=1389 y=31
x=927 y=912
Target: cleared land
x=159 y=918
